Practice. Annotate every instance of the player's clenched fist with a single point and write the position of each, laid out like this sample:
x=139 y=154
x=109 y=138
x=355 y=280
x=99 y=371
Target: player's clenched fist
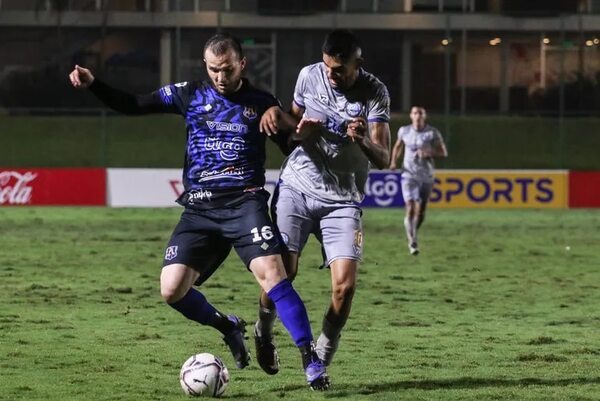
x=81 y=77
x=357 y=129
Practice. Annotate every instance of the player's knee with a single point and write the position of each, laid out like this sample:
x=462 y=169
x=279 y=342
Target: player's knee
x=411 y=209
x=344 y=291
x=171 y=294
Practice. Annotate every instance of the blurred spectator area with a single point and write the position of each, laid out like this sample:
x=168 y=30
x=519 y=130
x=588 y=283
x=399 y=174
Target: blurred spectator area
x=454 y=56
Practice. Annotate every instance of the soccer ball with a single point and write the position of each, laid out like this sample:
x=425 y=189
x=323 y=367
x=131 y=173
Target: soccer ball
x=204 y=375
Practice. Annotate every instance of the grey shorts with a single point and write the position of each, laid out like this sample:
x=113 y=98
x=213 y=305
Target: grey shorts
x=416 y=190
x=336 y=225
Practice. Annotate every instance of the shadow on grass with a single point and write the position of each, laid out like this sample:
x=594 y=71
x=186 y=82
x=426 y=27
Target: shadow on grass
x=458 y=383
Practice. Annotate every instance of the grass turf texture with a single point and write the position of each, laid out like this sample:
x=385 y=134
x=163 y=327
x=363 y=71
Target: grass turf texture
x=495 y=308
x=159 y=141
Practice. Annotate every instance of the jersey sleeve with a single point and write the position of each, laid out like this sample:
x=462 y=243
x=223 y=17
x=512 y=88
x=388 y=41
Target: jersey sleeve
x=400 y=134
x=300 y=89
x=437 y=138
x=127 y=103
x=272 y=101
x=379 y=106
x=174 y=97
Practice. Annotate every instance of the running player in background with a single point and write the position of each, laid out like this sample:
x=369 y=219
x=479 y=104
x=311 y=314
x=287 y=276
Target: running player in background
x=225 y=203
x=341 y=114
x=421 y=143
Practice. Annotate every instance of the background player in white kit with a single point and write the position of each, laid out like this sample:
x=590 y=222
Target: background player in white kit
x=342 y=115
x=421 y=143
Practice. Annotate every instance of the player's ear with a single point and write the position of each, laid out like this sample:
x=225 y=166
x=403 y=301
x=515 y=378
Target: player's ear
x=359 y=62
x=243 y=63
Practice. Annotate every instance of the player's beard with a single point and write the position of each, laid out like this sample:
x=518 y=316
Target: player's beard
x=228 y=88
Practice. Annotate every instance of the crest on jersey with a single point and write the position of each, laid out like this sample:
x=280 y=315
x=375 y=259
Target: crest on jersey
x=250 y=112
x=358 y=241
x=353 y=109
x=171 y=252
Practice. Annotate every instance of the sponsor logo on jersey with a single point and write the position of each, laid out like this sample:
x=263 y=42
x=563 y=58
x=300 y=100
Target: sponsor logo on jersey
x=250 y=112
x=166 y=94
x=227 y=126
x=323 y=98
x=228 y=150
x=229 y=172
x=199 y=195
x=181 y=84
x=353 y=109
x=171 y=252
x=358 y=241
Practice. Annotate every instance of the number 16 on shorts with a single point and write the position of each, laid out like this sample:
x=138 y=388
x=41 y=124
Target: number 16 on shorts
x=264 y=234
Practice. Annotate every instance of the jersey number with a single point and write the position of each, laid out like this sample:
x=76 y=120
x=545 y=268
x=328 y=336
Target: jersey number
x=264 y=234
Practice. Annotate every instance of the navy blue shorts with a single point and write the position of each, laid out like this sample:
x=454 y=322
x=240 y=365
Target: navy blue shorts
x=203 y=238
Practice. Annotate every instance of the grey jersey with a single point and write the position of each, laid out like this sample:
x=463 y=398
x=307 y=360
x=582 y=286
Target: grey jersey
x=331 y=167
x=427 y=138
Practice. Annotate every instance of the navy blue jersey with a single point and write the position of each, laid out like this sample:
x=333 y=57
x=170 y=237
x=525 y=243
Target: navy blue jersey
x=225 y=150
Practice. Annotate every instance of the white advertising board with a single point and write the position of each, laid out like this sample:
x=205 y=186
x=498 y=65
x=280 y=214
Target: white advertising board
x=138 y=187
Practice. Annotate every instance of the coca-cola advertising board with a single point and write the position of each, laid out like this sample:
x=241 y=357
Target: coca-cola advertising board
x=52 y=187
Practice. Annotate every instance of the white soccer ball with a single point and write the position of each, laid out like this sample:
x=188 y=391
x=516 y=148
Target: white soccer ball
x=204 y=375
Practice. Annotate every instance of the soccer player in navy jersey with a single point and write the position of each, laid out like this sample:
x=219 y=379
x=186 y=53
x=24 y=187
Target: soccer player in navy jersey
x=225 y=203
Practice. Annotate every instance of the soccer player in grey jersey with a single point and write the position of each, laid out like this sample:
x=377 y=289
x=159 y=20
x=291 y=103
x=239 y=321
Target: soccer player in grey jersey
x=340 y=115
x=421 y=143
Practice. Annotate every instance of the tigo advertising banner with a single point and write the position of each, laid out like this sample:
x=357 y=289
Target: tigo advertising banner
x=383 y=189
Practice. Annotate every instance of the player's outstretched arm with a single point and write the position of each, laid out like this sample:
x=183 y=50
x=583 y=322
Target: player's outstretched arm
x=121 y=101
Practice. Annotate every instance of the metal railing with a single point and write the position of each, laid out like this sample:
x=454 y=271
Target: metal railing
x=281 y=7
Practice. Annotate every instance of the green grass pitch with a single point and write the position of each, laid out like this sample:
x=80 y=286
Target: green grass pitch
x=500 y=305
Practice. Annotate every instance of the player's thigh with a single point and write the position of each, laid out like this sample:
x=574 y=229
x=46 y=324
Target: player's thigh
x=197 y=244
x=410 y=189
x=251 y=230
x=294 y=222
x=424 y=193
x=341 y=233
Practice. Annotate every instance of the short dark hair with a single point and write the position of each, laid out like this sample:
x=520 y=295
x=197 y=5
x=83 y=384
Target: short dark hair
x=342 y=44
x=221 y=43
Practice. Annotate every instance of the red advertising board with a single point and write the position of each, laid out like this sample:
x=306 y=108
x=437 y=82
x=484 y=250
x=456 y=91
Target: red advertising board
x=75 y=187
x=584 y=189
